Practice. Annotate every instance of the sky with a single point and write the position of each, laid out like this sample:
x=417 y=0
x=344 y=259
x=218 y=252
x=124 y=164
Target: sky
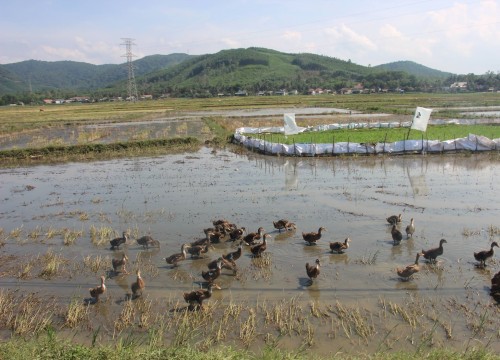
x=459 y=36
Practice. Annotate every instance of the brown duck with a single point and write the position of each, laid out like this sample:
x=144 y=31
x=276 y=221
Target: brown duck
x=211 y=275
x=312 y=237
x=115 y=243
x=195 y=298
x=484 y=255
x=198 y=250
x=284 y=224
x=397 y=236
x=339 y=247
x=235 y=255
x=236 y=234
x=410 y=229
x=407 y=272
x=394 y=219
x=138 y=286
x=258 y=249
x=176 y=258
x=147 y=241
x=98 y=290
x=253 y=237
x=432 y=254
x=313 y=270
x=225 y=264
x=120 y=263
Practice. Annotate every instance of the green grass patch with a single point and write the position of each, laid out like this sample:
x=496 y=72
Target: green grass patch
x=50 y=347
x=364 y=136
x=88 y=152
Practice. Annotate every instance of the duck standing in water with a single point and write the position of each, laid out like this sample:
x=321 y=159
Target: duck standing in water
x=115 y=243
x=195 y=298
x=176 y=258
x=284 y=224
x=117 y=263
x=397 y=236
x=410 y=229
x=394 y=219
x=313 y=237
x=433 y=253
x=407 y=272
x=313 y=270
x=339 y=247
x=138 y=286
x=258 y=249
x=484 y=255
x=253 y=237
x=147 y=241
x=98 y=290
x=211 y=275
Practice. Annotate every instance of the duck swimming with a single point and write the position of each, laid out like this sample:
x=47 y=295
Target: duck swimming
x=396 y=235
x=147 y=241
x=407 y=272
x=115 y=243
x=394 y=219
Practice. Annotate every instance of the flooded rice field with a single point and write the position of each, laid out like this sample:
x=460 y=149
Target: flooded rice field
x=71 y=212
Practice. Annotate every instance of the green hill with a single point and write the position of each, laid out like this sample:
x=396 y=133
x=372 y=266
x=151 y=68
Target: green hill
x=413 y=68
x=45 y=75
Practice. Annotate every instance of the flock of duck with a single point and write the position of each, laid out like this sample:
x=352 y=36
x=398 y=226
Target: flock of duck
x=223 y=230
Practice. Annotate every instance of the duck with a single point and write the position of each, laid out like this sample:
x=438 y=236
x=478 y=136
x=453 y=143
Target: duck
x=258 y=249
x=237 y=233
x=211 y=275
x=397 y=236
x=312 y=237
x=484 y=255
x=203 y=241
x=432 y=254
x=175 y=258
x=98 y=290
x=195 y=298
x=495 y=286
x=410 y=229
x=394 y=219
x=284 y=224
x=198 y=250
x=138 y=286
x=115 y=243
x=225 y=264
x=339 y=247
x=117 y=263
x=313 y=270
x=147 y=241
x=253 y=237
x=215 y=236
x=407 y=272
x=235 y=255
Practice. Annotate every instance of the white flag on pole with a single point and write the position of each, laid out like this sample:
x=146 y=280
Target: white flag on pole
x=421 y=118
x=290 y=127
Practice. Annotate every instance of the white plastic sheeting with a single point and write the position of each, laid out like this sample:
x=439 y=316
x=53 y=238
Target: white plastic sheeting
x=470 y=143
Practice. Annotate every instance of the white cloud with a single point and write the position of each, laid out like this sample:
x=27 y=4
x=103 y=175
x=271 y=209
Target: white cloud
x=290 y=35
x=347 y=37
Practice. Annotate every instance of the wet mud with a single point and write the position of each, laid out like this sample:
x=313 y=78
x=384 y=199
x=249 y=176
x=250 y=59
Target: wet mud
x=59 y=209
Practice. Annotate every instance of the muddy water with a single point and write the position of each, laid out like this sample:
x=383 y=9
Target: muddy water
x=173 y=198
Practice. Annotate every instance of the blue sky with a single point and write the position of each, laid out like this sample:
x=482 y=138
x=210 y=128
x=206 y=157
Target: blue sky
x=459 y=36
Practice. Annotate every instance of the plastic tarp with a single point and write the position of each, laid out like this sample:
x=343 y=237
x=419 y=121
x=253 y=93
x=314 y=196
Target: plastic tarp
x=470 y=143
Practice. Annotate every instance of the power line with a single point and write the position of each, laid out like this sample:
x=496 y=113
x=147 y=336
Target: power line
x=131 y=86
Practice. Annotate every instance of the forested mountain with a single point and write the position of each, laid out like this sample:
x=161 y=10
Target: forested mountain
x=72 y=75
x=414 y=69
x=253 y=70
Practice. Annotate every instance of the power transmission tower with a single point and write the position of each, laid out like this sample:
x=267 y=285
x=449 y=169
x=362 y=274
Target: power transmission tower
x=131 y=86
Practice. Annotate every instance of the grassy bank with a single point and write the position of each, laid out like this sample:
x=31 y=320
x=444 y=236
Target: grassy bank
x=90 y=152
x=50 y=347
